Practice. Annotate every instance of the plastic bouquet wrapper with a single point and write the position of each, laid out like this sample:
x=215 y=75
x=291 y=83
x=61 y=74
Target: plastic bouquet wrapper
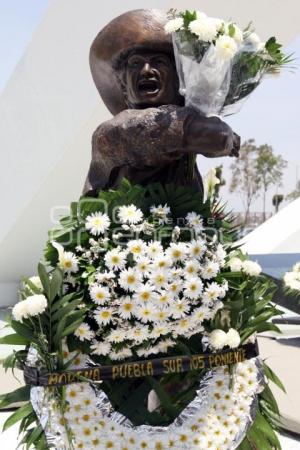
x=139 y=330
x=218 y=64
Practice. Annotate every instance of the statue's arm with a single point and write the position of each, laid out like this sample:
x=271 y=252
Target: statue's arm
x=153 y=137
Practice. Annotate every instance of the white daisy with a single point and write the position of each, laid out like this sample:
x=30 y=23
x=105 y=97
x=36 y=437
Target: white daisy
x=84 y=332
x=175 y=287
x=138 y=334
x=68 y=262
x=116 y=336
x=212 y=292
x=99 y=294
x=97 y=223
x=195 y=221
x=159 y=278
x=115 y=259
x=126 y=307
x=193 y=288
x=136 y=247
x=161 y=212
x=197 y=248
x=145 y=313
x=143 y=265
x=161 y=315
x=210 y=270
x=176 y=251
x=100 y=348
x=179 y=309
x=163 y=298
x=129 y=279
x=160 y=329
x=130 y=214
x=145 y=293
x=191 y=268
x=154 y=249
x=161 y=262
x=103 y=316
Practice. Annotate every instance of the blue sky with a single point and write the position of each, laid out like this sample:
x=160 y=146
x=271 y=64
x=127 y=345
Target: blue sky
x=271 y=115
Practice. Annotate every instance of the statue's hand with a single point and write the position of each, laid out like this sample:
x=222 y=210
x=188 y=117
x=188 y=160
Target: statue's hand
x=211 y=137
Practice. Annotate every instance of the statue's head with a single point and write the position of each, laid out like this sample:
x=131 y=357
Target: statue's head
x=132 y=62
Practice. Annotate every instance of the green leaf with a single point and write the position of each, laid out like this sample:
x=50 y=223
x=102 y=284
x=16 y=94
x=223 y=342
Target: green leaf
x=19 y=395
x=22 y=329
x=44 y=277
x=14 y=339
x=273 y=377
x=231 y=30
x=55 y=284
x=21 y=412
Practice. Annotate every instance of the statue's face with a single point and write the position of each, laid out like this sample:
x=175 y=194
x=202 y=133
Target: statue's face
x=150 y=80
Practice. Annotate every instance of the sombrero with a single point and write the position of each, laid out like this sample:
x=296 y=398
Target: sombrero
x=141 y=28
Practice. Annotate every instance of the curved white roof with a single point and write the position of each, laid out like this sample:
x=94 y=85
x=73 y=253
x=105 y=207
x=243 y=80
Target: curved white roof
x=279 y=234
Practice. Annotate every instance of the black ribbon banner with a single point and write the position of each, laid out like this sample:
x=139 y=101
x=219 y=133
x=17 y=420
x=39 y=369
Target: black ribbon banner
x=138 y=369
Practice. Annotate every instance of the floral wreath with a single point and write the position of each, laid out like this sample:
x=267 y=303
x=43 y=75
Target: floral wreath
x=141 y=273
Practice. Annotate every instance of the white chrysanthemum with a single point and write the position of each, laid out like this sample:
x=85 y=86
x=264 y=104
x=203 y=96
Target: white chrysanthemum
x=179 y=309
x=145 y=313
x=204 y=28
x=161 y=212
x=136 y=247
x=159 y=278
x=130 y=214
x=174 y=25
x=161 y=315
x=226 y=47
x=143 y=265
x=97 y=223
x=68 y=262
x=84 y=332
x=235 y=264
x=154 y=249
x=161 y=262
x=191 y=268
x=103 y=316
x=101 y=348
x=99 y=294
x=296 y=267
x=292 y=280
x=251 y=268
x=210 y=270
x=212 y=292
x=197 y=248
x=163 y=297
x=119 y=356
x=193 y=288
x=233 y=338
x=129 y=279
x=144 y=293
x=177 y=251
x=175 y=287
x=37 y=282
x=199 y=314
x=126 y=307
x=30 y=307
x=116 y=336
x=105 y=277
x=160 y=329
x=115 y=259
x=138 y=334
x=218 y=339
x=195 y=221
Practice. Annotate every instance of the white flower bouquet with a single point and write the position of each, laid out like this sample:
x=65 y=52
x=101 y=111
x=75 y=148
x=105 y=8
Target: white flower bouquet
x=218 y=64
x=136 y=284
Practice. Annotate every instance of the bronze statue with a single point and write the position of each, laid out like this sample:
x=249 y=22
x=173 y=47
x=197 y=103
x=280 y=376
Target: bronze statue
x=152 y=133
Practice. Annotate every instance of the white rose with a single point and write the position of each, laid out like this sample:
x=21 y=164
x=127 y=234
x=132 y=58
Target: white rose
x=251 y=268
x=235 y=264
x=226 y=47
x=32 y=306
x=205 y=29
x=233 y=339
x=174 y=25
x=218 y=339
